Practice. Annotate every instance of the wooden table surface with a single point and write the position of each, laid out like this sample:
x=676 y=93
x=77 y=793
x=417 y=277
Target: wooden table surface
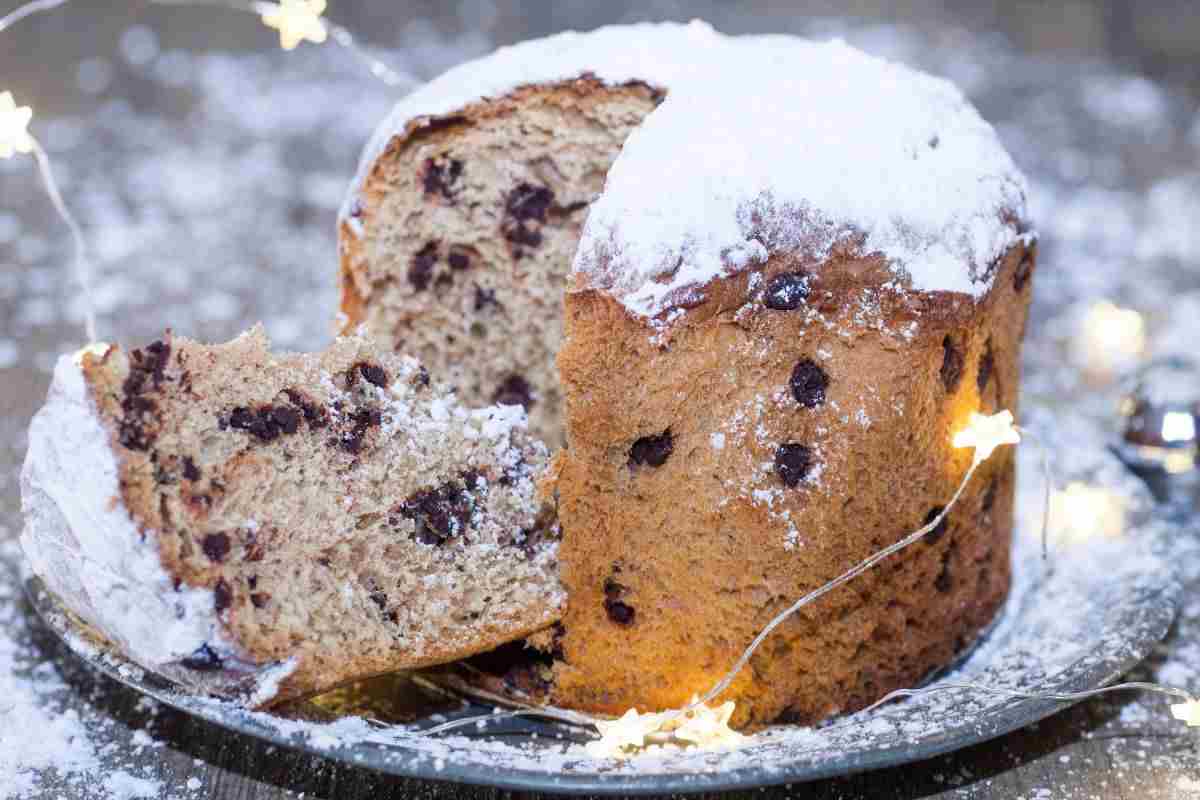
x=1124 y=747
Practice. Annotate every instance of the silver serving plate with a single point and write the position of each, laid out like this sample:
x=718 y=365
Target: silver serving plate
x=1065 y=628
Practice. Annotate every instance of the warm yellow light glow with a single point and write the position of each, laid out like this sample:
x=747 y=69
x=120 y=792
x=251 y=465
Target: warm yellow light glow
x=97 y=349
x=1188 y=711
x=1081 y=512
x=1111 y=337
x=702 y=727
x=987 y=432
x=1178 y=426
x=297 y=21
x=14 y=122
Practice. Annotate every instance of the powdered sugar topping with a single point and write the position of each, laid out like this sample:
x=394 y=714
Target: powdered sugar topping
x=82 y=542
x=765 y=144
x=787 y=145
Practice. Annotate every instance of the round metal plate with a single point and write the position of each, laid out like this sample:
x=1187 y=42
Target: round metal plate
x=1067 y=626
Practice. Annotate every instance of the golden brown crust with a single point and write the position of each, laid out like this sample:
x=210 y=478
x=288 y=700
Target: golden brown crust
x=671 y=570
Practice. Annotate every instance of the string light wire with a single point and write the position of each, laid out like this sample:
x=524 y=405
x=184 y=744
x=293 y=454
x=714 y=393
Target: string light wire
x=821 y=591
x=83 y=266
x=1047 y=485
x=83 y=270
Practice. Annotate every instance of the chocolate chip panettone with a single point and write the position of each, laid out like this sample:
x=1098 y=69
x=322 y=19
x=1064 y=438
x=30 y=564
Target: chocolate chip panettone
x=274 y=525
x=791 y=271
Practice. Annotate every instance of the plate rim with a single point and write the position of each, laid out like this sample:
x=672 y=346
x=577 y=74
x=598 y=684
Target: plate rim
x=1160 y=602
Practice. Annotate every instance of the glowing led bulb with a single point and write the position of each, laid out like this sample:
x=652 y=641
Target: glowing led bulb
x=1178 y=426
x=701 y=726
x=1110 y=338
x=986 y=432
x=1081 y=512
x=14 y=122
x=1188 y=711
x=296 y=21
x=96 y=350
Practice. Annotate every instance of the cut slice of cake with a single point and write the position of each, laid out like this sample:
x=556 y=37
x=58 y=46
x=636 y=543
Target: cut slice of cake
x=274 y=525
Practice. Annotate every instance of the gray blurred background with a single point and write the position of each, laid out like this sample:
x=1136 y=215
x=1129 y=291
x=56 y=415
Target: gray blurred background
x=1160 y=38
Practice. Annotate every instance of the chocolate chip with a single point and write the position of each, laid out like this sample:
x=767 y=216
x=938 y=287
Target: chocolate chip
x=459 y=258
x=787 y=291
x=150 y=362
x=809 y=383
x=619 y=612
x=362 y=420
x=420 y=270
x=284 y=418
x=652 y=451
x=216 y=546
x=372 y=373
x=485 y=298
x=265 y=423
x=934 y=141
x=944 y=581
x=989 y=495
x=147 y=369
x=380 y=599
x=260 y=599
x=1024 y=269
x=133 y=436
x=440 y=175
x=792 y=463
x=514 y=391
x=203 y=659
x=222 y=596
x=473 y=479
x=936 y=534
x=190 y=471
x=529 y=202
x=952 y=364
x=525 y=211
x=986 y=363
x=440 y=514
x=314 y=412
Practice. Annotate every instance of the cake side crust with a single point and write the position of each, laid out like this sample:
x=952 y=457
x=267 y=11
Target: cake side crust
x=721 y=468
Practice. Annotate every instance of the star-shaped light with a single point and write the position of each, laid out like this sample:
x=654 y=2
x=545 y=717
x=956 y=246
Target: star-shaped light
x=297 y=21
x=1188 y=711
x=708 y=727
x=95 y=350
x=987 y=432
x=621 y=735
x=701 y=727
x=14 y=120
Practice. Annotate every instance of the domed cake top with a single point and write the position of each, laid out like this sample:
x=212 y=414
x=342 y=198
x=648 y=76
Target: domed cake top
x=764 y=145
x=786 y=145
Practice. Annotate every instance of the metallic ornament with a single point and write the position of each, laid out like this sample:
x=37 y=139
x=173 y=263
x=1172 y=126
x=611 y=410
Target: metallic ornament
x=1161 y=436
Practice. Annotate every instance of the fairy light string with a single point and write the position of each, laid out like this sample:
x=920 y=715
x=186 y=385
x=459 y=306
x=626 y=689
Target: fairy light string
x=700 y=724
x=295 y=20
x=984 y=434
